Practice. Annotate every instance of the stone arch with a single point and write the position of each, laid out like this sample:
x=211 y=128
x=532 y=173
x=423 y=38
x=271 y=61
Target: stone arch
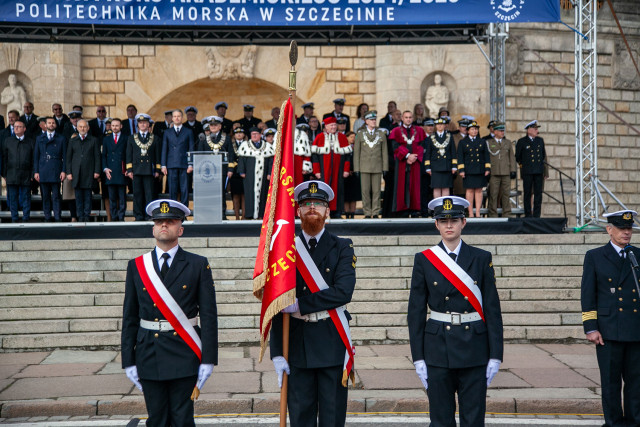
x=206 y=93
x=23 y=80
x=448 y=81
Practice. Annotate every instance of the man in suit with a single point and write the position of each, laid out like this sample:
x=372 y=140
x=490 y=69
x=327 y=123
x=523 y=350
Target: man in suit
x=531 y=156
x=5 y=133
x=168 y=359
x=130 y=126
x=191 y=123
x=31 y=121
x=83 y=167
x=338 y=112
x=248 y=121
x=143 y=165
x=611 y=319
x=98 y=126
x=49 y=168
x=60 y=118
x=460 y=347
x=160 y=127
x=114 y=148
x=275 y=115
x=17 y=170
x=387 y=121
x=317 y=372
x=174 y=160
x=307 y=112
x=221 y=110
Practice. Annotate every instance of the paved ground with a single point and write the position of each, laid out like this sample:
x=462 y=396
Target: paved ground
x=69 y=386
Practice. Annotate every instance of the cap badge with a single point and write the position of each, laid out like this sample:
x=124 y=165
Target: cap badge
x=447 y=204
x=627 y=216
x=164 y=207
x=313 y=188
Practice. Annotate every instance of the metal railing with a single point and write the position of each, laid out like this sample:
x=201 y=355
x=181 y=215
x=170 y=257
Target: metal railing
x=561 y=174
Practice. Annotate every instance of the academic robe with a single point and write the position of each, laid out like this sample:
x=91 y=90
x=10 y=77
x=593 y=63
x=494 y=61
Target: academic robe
x=328 y=156
x=406 y=193
x=256 y=164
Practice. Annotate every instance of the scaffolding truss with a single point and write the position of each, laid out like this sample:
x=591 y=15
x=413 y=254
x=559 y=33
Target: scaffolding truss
x=586 y=108
x=498 y=34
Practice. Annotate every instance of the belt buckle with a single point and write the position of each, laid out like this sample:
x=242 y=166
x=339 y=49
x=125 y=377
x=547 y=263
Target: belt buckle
x=456 y=319
x=163 y=325
x=312 y=317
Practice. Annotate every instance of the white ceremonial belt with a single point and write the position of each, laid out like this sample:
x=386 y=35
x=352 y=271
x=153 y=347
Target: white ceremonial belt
x=317 y=316
x=455 y=318
x=162 y=325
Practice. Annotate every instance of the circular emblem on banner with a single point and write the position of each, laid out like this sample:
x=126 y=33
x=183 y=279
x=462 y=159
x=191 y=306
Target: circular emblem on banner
x=207 y=171
x=507 y=10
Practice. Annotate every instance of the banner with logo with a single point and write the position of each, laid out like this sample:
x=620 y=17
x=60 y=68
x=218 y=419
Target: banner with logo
x=301 y=13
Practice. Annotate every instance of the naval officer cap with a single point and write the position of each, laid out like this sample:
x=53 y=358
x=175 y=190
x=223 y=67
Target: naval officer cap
x=303 y=126
x=238 y=130
x=440 y=121
x=167 y=209
x=473 y=124
x=533 y=124
x=248 y=107
x=371 y=115
x=341 y=120
x=141 y=117
x=215 y=120
x=169 y=112
x=621 y=219
x=222 y=104
x=269 y=131
x=316 y=190
x=463 y=123
x=491 y=124
x=75 y=114
x=191 y=108
x=340 y=101
x=448 y=207
x=308 y=105
x=254 y=129
x=429 y=122
x=468 y=118
x=206 y=121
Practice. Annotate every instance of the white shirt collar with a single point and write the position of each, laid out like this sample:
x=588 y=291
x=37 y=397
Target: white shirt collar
x=616 y=247
x=308 y=237
x=177 y=128
x=171 y=252
x=440 y=134
x=455 y=251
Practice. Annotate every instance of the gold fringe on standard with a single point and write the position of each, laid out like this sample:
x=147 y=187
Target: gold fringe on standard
x=283 y=301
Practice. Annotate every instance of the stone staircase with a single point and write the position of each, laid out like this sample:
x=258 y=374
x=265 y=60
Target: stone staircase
x=68 y=294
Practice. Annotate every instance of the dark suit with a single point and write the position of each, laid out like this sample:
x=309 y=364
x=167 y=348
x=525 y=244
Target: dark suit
x=143 y=166
x=113 y=157
x=167 y=366
x=174 y=157
x=316 y=352
x=17 y=169
x=61 y=123
x=531 y=155
x=33 y=126
x=127 y=128
x=227 y=125
x=272 y=124
x=248 y=124
x=196 y=128
x=610 y=305
x=49 y=161
x=386 y=122
x=83 y=160
x=94 y=129
x=332 y=114
x=456 y=355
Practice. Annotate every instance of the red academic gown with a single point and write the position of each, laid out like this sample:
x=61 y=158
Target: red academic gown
x=406 y=193
x=331 y=161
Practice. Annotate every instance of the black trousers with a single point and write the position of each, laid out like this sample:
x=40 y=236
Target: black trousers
x=50 y=195
x=142 y=195
x=620 y=361
x=169 y=402
x=426 y=194
x=317 y=391
x=471 y=386
x=532 y=184
x=118 y=202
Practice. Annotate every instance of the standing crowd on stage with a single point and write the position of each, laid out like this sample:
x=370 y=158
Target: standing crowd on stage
x=394 y=165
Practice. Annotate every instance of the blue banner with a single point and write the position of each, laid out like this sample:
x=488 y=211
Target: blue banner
x=307 y=13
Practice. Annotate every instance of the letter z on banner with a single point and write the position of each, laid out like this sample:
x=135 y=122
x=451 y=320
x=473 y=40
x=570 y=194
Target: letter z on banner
x=166 y=304
x=456 y=275
x=312 y=277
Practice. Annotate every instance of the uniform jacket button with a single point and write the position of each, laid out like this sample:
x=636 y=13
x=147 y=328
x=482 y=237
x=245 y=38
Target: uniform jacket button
x=466 y=298
x=155 y=335
x=620 y=299
x=144 y=289
x=448 y=327
x=446 y=298
x=184 y=286
x=328 y=269
x=154 y=304
x=156 y=319
x=466 y=327
x=620 y=308
x=175 y=333
x=435 y=283
x=620 y=288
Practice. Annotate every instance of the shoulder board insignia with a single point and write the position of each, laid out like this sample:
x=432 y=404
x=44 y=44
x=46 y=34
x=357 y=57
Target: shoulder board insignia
x=353 y=264
x=208 y=267
x=355 y=259
x=491 y=264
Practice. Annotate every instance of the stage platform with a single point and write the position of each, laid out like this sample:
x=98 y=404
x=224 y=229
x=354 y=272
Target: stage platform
x=351 y=227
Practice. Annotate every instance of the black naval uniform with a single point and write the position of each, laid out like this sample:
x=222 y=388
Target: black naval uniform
x=456 y=355
x=440 y=165
x=610 y=305
x=143 y=168
x=474 y=161
x=167 y=366
x=316 y=351
x=530 y=155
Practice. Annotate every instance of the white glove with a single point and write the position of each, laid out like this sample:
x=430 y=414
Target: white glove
x=307 y=167
x=281 y=365
x=421 y=370
x=132 y=374
x=292 y=308
x=492 y=369
x=204 y=372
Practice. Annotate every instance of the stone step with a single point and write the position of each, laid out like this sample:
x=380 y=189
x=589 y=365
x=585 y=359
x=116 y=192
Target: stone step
x=62 y=288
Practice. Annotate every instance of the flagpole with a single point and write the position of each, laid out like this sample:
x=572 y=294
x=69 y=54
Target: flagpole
x=293 y=59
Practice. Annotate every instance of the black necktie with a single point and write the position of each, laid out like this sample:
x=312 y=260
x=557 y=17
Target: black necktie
x=453 y=256
x=165 y=265
x=313 y=242
x=622 y=254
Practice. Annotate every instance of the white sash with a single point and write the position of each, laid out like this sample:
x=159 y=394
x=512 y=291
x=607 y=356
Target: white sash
x=458 y=271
